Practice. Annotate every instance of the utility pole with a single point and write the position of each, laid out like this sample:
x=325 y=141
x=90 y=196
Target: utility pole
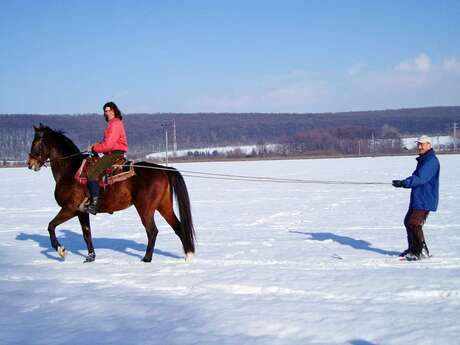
x=373 y=144
x=165 y=126
x=174 y=139
x=455 y=136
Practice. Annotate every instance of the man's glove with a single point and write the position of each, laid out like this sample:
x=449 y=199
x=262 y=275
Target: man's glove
x=397 y=183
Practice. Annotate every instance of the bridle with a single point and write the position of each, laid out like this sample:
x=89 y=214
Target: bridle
x=39 y=157
x=42 y=161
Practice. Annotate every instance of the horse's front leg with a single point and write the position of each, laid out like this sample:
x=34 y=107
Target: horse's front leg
x=62 y=216
x=86 y=229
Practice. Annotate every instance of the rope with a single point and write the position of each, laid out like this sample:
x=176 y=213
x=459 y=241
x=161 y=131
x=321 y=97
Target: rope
x=204 y=175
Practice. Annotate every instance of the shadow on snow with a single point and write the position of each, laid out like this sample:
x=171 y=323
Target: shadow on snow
x=74 y=243
x=346 y=241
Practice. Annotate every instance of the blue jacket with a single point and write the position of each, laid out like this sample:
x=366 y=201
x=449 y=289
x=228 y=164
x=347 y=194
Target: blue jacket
x=424 y=183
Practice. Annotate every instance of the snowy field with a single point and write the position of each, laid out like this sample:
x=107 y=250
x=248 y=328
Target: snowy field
x=275 y=263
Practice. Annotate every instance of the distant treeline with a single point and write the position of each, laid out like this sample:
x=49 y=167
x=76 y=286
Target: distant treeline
x=326 y=132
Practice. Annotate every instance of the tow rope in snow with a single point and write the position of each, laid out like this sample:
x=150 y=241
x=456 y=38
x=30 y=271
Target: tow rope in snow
x=215 y=176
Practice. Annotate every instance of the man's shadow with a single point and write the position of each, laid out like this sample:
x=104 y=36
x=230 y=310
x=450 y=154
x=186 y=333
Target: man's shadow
x=75 y=244
x=346 y=241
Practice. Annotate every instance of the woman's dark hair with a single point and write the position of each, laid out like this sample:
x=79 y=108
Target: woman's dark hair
x=115 y=109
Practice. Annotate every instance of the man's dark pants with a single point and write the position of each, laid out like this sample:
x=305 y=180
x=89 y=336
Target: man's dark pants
x=413 y=222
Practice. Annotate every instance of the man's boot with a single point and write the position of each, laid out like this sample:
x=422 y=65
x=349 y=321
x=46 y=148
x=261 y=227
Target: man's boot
x=425 y=251
x=93 y=187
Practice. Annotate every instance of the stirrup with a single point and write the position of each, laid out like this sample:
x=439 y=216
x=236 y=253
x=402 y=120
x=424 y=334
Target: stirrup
x=92 y=207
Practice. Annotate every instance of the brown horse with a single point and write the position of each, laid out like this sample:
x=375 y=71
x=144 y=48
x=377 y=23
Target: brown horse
x=151 y=189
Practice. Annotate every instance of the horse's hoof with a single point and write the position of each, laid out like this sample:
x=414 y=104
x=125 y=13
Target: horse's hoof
x=145 y=259
x=188 y=257
x=90 y=257
x=61 y=251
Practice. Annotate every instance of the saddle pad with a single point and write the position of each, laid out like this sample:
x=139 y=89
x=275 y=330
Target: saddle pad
x=120 y=171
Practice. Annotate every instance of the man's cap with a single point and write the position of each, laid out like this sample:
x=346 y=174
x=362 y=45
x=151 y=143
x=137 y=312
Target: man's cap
x=424 y=139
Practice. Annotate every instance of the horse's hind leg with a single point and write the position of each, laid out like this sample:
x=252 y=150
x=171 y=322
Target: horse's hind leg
x=167 y=211
x=151 y=230
x=62 y=216
x=86 y=229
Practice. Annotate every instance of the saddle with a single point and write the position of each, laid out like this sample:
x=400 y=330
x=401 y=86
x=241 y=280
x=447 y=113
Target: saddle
x=121 y=170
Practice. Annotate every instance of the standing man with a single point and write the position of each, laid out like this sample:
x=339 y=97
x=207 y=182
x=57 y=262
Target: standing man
x=114 y=146
x=424 y=196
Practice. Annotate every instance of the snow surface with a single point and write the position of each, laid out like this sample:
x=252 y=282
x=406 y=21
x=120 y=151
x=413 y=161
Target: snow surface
x=275 y=264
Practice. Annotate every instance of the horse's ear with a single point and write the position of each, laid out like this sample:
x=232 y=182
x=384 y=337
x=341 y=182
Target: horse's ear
x=41 y=125
x=39 y=130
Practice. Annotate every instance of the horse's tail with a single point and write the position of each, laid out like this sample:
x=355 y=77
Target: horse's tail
x=179 y=188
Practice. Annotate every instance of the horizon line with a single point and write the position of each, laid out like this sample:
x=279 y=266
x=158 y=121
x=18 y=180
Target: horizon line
x=234 y=113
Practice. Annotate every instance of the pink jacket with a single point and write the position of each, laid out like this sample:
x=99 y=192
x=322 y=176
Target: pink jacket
x=114 y=138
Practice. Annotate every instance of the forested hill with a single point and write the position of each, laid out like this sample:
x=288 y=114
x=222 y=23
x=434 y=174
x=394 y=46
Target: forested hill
x=145 y=132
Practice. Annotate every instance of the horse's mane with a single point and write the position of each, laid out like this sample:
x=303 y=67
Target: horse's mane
x=65 y=143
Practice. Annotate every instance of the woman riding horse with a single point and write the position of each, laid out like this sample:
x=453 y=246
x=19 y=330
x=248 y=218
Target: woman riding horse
x=113 y=146
x=150 y=189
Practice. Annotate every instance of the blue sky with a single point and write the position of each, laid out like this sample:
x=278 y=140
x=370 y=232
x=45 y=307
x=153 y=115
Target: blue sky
x=228 y=56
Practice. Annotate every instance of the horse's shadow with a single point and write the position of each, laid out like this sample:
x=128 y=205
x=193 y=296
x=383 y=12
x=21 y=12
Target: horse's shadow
x=346 y=241
x=74 y=243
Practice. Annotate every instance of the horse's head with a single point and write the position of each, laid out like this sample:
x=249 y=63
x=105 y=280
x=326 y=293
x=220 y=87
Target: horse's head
x=39 y=151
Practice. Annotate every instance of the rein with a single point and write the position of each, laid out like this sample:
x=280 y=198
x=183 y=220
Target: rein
x=44 y=161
